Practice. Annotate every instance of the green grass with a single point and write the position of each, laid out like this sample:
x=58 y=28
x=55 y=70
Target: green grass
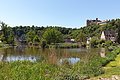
x=114 y=63
x=112 y=68
x=64 y=45
x=26 y=70
x=109 y=71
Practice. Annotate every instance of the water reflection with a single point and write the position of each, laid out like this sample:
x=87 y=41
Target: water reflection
x=20 y=48
x=1 y=57
x=52 y=56
x=102 y=52
x=15 y=58
x=69 y=60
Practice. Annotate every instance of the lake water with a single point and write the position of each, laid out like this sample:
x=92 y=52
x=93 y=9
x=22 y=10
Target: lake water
x=52 y=56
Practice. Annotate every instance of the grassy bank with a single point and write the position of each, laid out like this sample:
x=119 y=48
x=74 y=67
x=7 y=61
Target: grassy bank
x=64 y=45
x=2 y=45
x=58 y=45
x=26 y=70
x=113 y=68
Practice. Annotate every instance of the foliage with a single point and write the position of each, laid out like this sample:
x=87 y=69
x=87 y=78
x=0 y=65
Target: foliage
x=30 y=36
x=65 y=45
x=81 y=37
x=8 y=35
x=114 y=63
x=43 y=43
x=108 y=43
x=82 y=70
x=94 y=42
x=75 y=33
x=91 y=31
x=36 y=39
x=52 y=36
x=113 y=67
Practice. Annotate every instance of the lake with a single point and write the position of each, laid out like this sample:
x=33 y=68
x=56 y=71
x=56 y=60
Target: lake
x=51 y=56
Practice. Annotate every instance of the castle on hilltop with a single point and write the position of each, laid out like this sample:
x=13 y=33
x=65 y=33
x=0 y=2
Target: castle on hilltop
x=96 y=21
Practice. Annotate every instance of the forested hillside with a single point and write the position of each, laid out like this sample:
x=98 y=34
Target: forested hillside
x=57 y=34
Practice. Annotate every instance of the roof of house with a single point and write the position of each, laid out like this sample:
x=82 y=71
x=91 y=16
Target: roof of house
x=110 y=33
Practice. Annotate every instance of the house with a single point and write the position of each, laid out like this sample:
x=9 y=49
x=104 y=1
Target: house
x=69 y=40
x=88 y=40
x=103 y=36
x=109 y=35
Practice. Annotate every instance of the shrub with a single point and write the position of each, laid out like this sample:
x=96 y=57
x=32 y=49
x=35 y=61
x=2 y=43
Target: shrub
x=108 y=43
x=43 y=44
x=94 y=42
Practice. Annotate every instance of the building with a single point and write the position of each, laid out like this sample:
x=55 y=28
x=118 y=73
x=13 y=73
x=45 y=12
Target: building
x=69 y=40
x=103 y=36
x=96 y=21
x=109 y=35
x=88 y=40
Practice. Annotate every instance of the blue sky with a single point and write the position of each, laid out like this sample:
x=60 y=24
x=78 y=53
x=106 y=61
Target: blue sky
x=68 y=13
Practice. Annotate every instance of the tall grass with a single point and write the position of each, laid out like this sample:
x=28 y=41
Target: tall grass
x=64 y=45
x=26 y=70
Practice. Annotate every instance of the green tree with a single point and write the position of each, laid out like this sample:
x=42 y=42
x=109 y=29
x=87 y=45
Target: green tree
x=7 y=34
x=10 y=36
x=75 y=33
x=30 y=36
x=36 y=39
x=94 y=42
x=4 y=29
x=81 y=37
x=10 y=39
x=53 y=36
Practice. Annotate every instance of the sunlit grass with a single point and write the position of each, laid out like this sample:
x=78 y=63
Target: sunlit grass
x=115 y=63
x=113 y=68
x=110 y=71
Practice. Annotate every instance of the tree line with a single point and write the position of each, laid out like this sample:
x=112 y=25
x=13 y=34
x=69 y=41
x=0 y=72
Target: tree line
x=54 y=34
x=33 y=34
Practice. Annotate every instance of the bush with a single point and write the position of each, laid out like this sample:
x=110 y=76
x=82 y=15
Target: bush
x=94 y=42
x=108 y=43
x=43 y=44
x=102 y=41
x=67 y=45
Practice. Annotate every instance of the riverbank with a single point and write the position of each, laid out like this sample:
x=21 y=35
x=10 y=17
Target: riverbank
x=27 y=70
x=111 y=70
x=2 y=46
x=91 y=66
x=64 y=45
x=58 y=45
